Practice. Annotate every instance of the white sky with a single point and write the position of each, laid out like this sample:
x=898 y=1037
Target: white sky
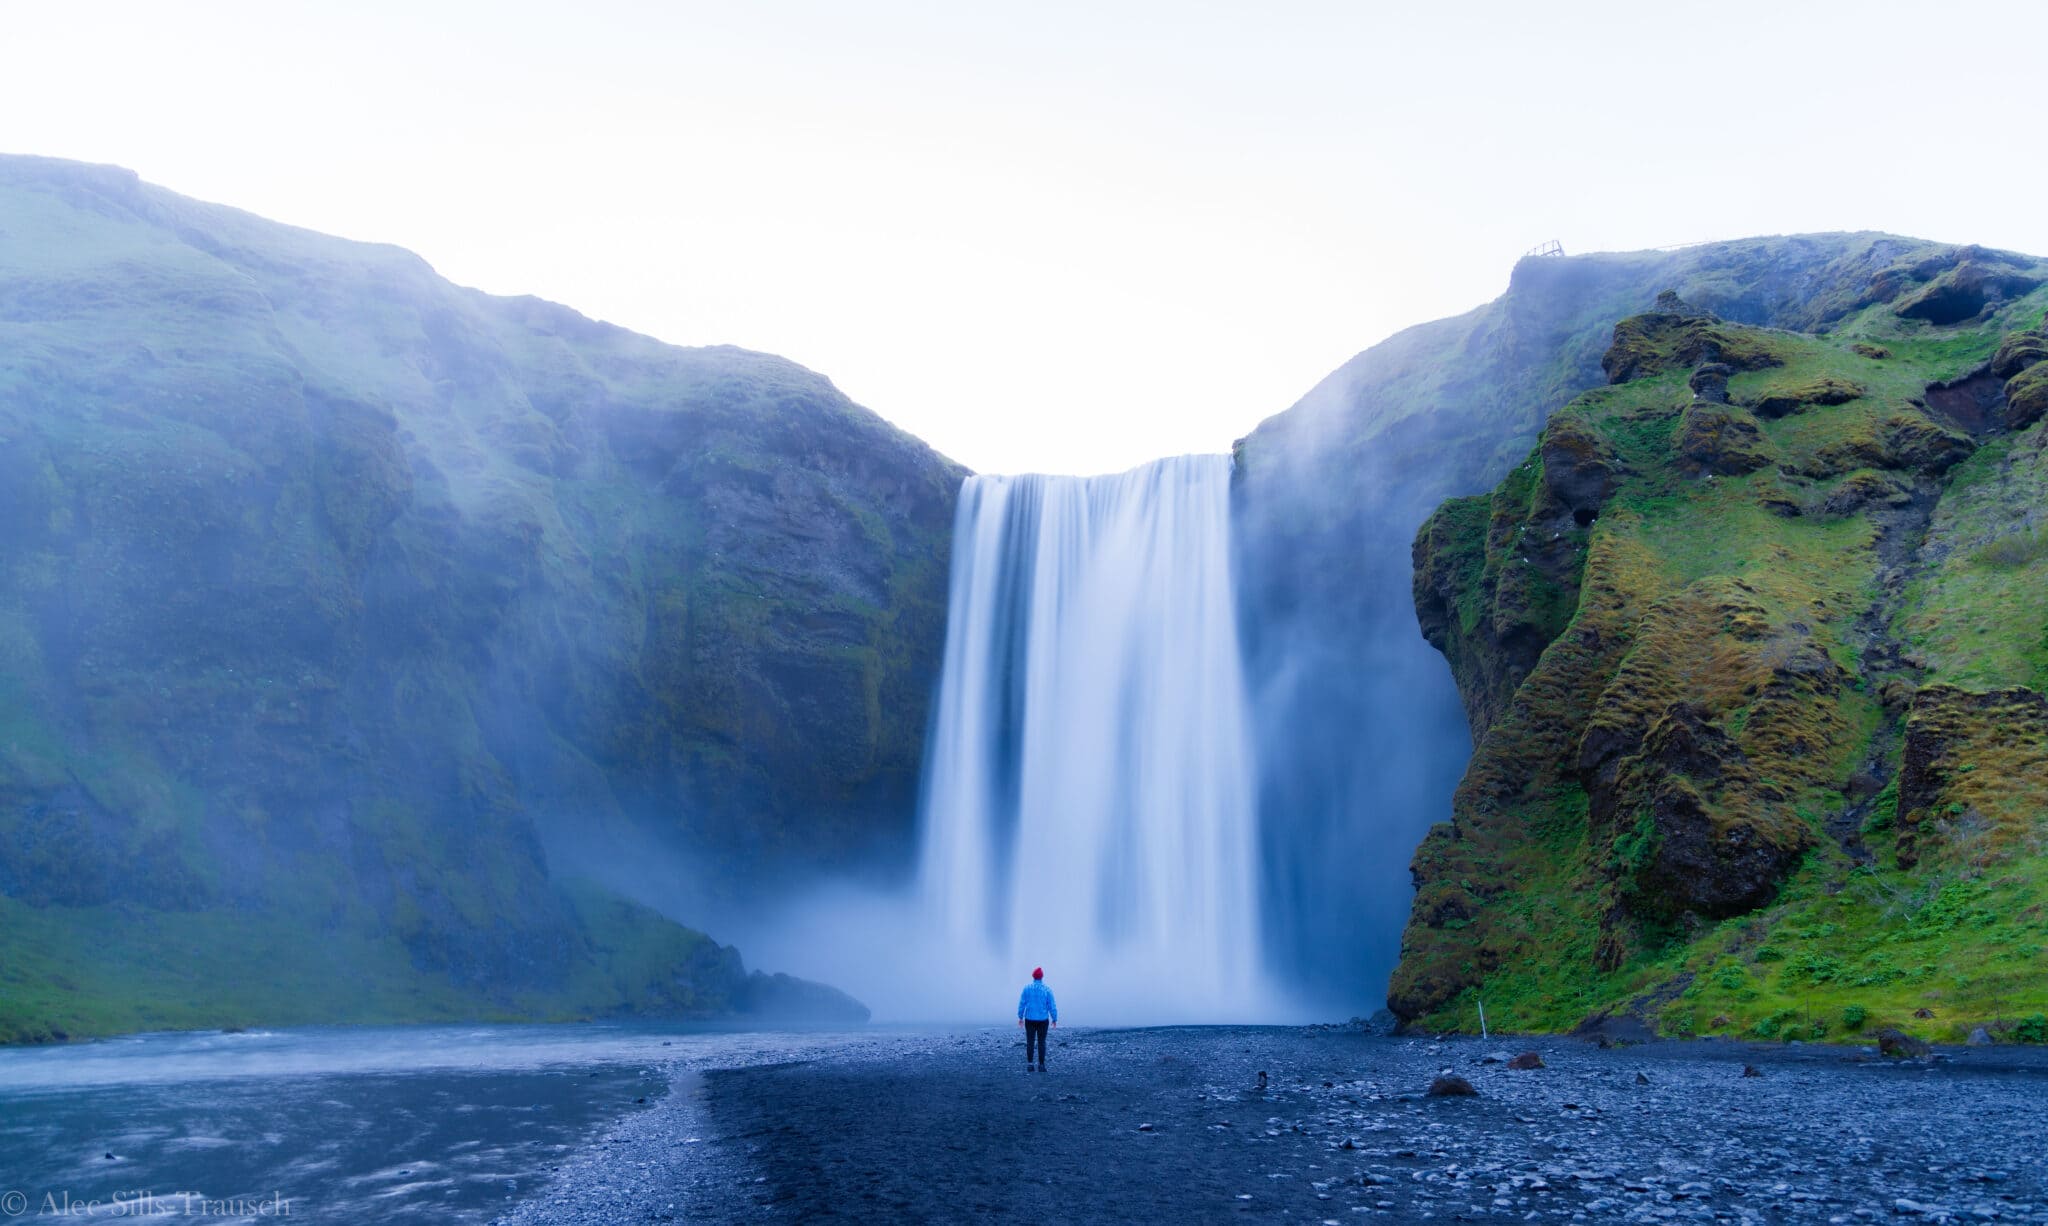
x=1044 y=234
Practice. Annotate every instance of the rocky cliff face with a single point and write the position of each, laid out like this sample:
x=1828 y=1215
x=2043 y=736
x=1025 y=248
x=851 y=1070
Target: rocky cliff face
x=1753 y=648
x=339 y=599
x=1362 y=733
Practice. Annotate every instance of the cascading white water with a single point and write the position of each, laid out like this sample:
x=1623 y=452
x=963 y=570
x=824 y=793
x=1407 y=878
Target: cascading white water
x=1088 y=799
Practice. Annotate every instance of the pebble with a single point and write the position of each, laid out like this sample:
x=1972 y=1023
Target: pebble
x=1819 y=1139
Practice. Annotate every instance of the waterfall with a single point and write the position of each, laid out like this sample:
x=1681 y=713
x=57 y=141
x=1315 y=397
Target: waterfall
x=1089 y=790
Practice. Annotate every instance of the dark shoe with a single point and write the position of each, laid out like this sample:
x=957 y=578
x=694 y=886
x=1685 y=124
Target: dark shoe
x=1041 y=1068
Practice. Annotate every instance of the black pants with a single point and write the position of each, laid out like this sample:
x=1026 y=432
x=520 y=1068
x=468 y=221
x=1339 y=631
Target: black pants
x=1034 y=1033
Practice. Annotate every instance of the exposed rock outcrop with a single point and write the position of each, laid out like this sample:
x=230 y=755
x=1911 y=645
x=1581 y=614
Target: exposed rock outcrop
x=2026 y=397
x=1678 y=778
x=1716 y=439
x=1780 y=399
x=1973 y=773
x=2018 y=351
x=1971 y=281
x=1646 y=345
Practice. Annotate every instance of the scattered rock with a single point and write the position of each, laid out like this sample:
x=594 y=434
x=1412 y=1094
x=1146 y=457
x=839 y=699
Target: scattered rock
x=1382 y=1022
x=1527 y=1060
x=1749 y=1070
x=1876 y=353
x=1899 y=1045
x=1144 y=1128
x=1923 y=1012
x=1917 y=1208
x=1450 y=1085
x=1979 y=1037
x=1642 y=1079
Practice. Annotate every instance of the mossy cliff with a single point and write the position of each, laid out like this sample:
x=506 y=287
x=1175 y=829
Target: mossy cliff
x=1362 y=734
x=1753 y=648
x=341 y=607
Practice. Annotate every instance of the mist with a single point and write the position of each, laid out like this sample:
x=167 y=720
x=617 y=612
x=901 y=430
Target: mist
x=1178 y=767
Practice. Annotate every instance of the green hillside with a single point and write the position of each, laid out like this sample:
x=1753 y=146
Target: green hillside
x=341 y=607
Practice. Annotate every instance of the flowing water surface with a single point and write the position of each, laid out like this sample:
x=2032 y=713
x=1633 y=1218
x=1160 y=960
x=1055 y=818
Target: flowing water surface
x=430 y=1123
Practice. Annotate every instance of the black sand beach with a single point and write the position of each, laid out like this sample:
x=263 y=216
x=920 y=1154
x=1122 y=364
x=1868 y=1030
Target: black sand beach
x=1169 y=1124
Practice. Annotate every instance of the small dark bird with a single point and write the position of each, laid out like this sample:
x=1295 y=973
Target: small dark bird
x=1262 y=1079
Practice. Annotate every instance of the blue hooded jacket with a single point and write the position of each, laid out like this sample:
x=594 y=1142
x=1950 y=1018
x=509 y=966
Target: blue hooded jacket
x=1036 y=1004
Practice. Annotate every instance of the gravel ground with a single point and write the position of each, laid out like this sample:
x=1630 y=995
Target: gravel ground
x=1170 y=1124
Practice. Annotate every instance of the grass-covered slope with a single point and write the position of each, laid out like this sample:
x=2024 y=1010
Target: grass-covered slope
x=331 y=593
x=1754 y=648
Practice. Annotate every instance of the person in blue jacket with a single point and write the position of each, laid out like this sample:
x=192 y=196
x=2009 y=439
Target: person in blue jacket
x=1036 y=1012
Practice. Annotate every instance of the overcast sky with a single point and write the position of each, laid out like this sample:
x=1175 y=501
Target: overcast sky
x=1040 y=234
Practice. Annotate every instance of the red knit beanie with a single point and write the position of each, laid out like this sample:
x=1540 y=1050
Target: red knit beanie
x=1038 y=973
